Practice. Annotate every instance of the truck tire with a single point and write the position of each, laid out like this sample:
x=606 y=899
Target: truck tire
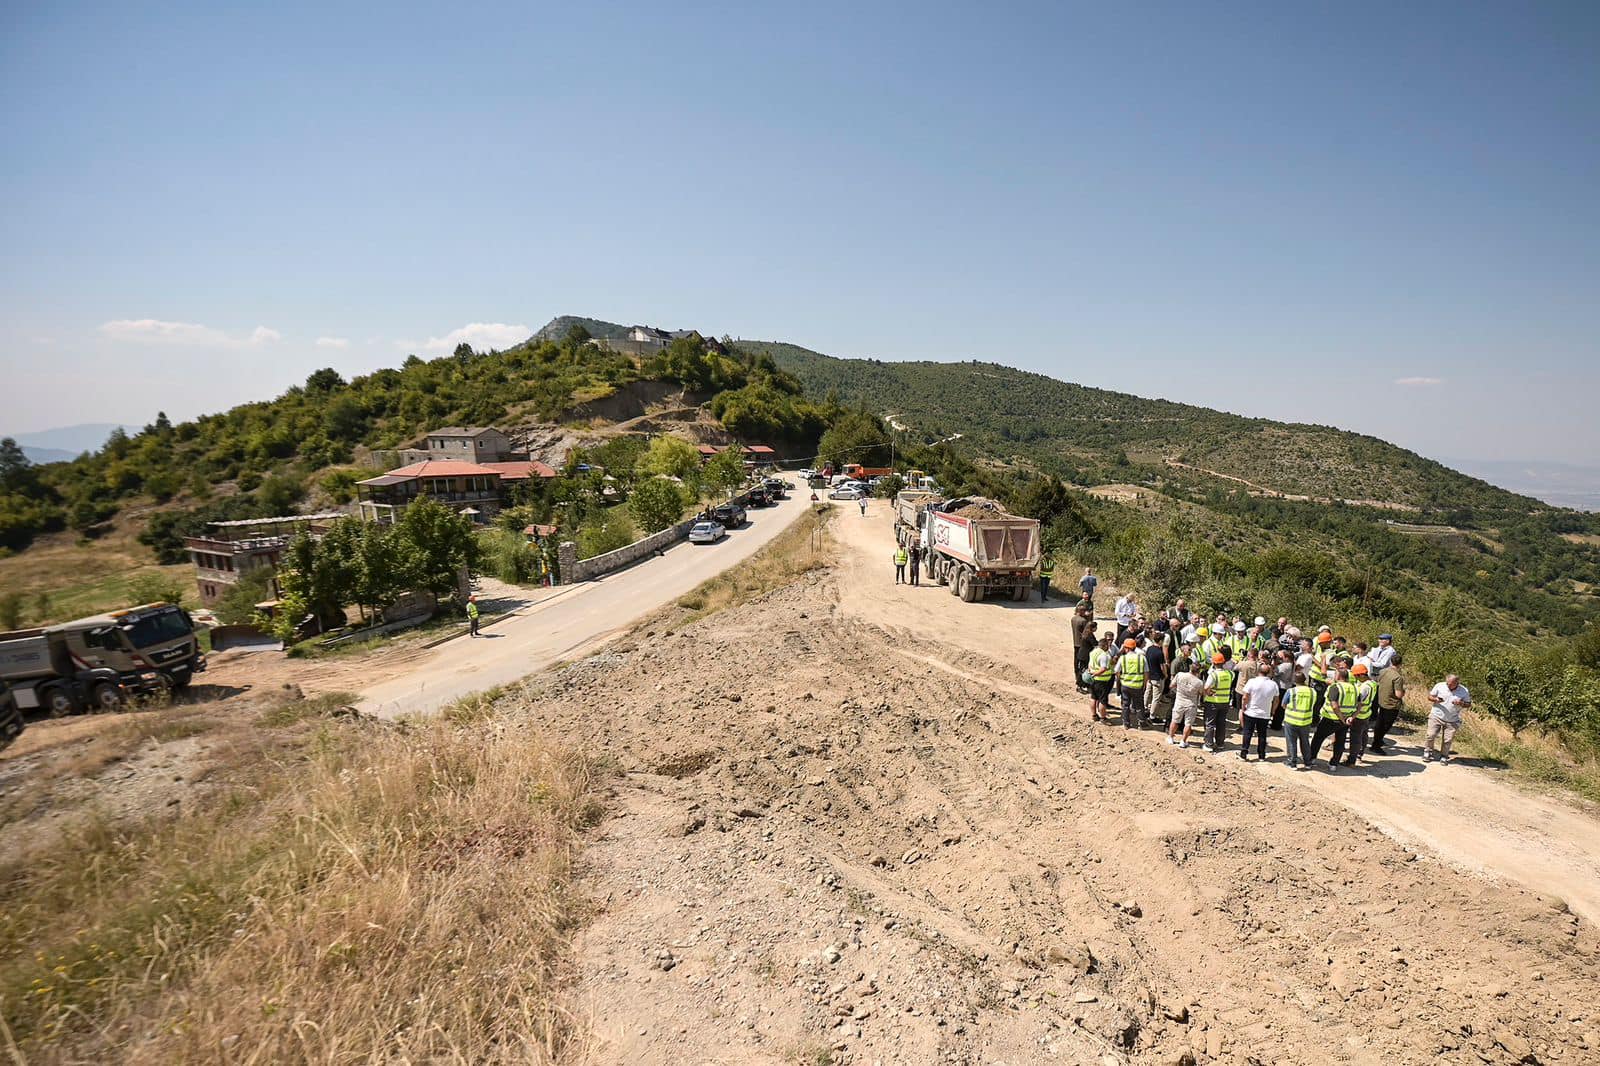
x=58 y=701
x=106 y=697
x=956 y=577
x=971 y=590
x=1021 y=593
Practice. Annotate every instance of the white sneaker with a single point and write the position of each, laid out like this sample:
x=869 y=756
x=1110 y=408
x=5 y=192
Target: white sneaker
x=1183 y=743
x=1207 y=747
x=1173 y=741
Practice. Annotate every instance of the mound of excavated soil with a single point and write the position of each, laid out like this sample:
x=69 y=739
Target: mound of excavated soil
x=827 y=836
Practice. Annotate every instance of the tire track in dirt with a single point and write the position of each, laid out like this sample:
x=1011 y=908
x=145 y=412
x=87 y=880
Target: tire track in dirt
x=830 y=838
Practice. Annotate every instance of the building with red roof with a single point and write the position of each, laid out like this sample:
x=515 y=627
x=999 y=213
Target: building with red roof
x=474 y=489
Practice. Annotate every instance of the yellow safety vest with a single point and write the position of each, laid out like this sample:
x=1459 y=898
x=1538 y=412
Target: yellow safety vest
x=1222 y=680
x=472 y=609
x=1347 y=700
x=1100 y=664
x=1047 y=567
x=1319 y=667
x=1298 y=710
x=1366 y=696
x=1131 y=667
x=900 y=557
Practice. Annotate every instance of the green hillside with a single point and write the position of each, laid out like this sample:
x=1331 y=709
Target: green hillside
x=1364 y=512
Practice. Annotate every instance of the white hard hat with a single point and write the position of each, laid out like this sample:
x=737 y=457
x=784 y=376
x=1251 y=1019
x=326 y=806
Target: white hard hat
x=1260 y=621
x=1238 y=627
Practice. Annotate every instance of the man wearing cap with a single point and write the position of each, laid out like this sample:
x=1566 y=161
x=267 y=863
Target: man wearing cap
x=1100 y=678
x=1218 y=699
x=1319 y=672
x=1382 y=655
x=1131 y=674
x=1391 y=697
x=1361 y=721
x=472 y=615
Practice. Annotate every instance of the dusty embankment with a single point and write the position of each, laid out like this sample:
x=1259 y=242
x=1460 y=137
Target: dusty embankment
x=825 y=841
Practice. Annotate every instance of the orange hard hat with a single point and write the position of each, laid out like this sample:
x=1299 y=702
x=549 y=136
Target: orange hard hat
x=1324 y=638
x=1218 y=657
x=1130 y=644
x=1360 y=668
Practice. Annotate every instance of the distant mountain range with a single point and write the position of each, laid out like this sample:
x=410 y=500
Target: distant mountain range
x=66 y=442
x=1560 y=484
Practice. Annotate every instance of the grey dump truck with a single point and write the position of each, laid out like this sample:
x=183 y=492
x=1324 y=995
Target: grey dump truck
x=100 y=661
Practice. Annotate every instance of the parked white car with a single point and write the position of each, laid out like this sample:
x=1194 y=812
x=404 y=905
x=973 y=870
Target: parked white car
x=706 y=533
x=807 y=474
x=846 y=492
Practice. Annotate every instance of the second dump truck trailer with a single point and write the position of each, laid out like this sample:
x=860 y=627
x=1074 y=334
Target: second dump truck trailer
x=973 y=545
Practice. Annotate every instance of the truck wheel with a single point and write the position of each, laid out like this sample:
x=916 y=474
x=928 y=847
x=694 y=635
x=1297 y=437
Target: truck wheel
x=58 y=702
x=941 y=573
x=179 y=680
x=1020 y=593
x=971 y=591
x=107 y=697
x=955 y=582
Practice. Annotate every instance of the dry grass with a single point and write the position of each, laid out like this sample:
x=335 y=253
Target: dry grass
x=352 y=891
x=83 y=577
x=1532 y=755
x=803 y=547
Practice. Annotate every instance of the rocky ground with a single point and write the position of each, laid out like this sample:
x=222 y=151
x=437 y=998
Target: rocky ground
x=834 y=843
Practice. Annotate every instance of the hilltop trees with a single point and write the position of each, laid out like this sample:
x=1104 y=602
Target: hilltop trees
x=855 y=437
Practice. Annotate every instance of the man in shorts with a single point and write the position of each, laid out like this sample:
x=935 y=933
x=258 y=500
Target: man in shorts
x=1100 y=674
x=1186 y=689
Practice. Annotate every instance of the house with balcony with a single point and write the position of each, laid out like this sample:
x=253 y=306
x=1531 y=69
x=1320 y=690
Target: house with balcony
x=230 y=550
x=477 y=490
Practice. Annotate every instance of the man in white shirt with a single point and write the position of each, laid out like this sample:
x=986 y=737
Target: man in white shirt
x=1383 y=655
x=1127 y=611
x=1257 y=698
x=1449 y=698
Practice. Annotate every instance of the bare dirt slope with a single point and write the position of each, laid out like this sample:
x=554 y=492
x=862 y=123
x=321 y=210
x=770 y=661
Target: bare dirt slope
x=834 y=840
x=1462 y=813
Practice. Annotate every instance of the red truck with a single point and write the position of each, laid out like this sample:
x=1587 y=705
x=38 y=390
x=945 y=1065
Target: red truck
x=862 y=473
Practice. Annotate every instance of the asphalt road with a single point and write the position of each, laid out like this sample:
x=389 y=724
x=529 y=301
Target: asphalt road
x=571 y=620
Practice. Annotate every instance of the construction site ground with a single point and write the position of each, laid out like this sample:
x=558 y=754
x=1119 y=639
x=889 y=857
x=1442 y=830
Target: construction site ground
x=856 y=822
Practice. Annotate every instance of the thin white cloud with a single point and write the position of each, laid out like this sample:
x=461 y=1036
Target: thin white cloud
x=481 y=336
x=155 y=331
x=333 y=342
x=1418 y=382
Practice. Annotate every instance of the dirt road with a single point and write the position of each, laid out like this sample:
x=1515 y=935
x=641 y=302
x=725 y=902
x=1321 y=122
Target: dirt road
x=843 y=840
x=1463 y=813
x=569 y=620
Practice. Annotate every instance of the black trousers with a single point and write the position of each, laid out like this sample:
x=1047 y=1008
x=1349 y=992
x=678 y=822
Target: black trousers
x=1258 y=728
x=1044 y=589
x=899 y=573
x=1327 y=727
x=1217 y=723
x=916 y=573
x=1385 y=722
x=1080 y=661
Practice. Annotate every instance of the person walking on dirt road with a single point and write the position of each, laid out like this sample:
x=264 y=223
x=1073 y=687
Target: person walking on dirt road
x=1100 y=669
x=1391 y=697
x=472 y=615
x=1082 y=642
x=1187 y=689
x=1086 y=585
x=900 y=560
x=1449 y=698
x=863 y=502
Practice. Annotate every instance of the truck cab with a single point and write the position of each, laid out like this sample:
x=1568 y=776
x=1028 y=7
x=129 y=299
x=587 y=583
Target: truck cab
x=152 y=636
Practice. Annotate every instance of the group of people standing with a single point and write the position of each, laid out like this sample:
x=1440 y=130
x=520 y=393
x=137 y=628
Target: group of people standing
x=1180 y=668
x=904 y=557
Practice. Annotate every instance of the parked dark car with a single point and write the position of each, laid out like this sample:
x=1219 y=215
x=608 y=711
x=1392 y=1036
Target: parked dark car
x=758 y=497
x=776 y=487
x=728 y=515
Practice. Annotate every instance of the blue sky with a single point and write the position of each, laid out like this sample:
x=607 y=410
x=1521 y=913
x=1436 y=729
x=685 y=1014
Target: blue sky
x=1276 y=209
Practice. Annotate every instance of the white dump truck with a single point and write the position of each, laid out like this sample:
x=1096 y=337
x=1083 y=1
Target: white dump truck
x=973 y=545
x=101 y=660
